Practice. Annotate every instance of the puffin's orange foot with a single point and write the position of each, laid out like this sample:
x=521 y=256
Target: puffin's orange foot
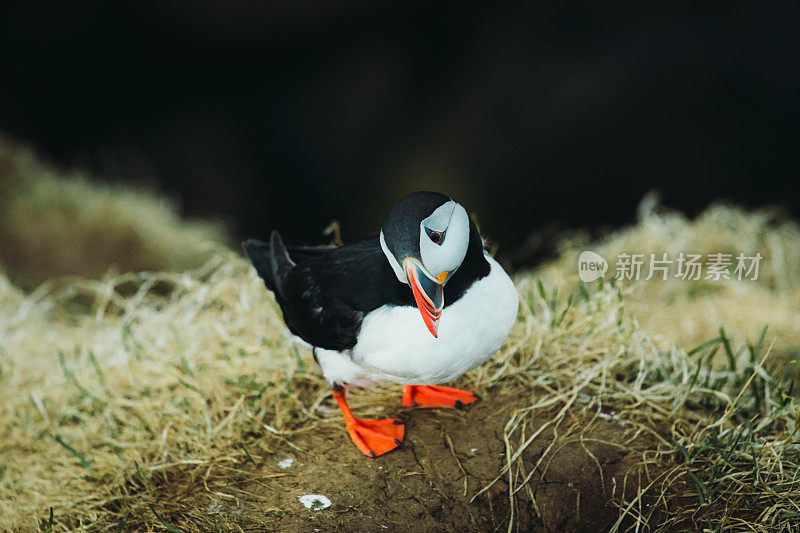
x=376 y=437
x=435 y=396
x=372 y=437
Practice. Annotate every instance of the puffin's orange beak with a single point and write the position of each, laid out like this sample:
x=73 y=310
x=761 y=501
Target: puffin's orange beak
x=428 y=294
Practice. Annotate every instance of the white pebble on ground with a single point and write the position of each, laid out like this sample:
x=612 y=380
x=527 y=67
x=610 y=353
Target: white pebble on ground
x=315 y=502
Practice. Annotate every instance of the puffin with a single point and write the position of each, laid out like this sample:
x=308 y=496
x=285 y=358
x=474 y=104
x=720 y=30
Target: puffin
x=418 y=303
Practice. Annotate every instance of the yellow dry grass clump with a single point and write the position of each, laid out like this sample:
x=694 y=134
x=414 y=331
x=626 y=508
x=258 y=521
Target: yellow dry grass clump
x=107 y=383
x=90 y=399
x=691 y=312
x=56 y=224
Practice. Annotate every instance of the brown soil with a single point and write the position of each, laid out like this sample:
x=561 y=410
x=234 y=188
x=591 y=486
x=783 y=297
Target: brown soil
x=421 y=487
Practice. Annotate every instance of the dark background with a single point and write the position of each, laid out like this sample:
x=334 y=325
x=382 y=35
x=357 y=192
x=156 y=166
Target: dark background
x=288 y=114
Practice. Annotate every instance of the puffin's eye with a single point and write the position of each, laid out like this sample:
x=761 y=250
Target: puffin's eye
x=436 y=236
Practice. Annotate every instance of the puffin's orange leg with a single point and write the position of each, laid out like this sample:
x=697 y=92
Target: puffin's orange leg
x=436 y=396
x=372 y=437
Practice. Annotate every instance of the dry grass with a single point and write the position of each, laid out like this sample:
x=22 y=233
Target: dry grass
x=725 y=409
x=108 y=386
x=728 y=453
x=55 y=224
x=95 y=399
x=692 y=312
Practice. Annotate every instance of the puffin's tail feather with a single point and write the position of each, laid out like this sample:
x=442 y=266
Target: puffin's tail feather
x=272 y=261
x=281 y=262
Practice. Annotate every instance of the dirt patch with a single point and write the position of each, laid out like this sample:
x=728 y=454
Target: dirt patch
x=448 y=458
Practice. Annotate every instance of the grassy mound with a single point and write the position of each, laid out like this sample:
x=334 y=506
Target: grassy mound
x=56 y=224
x=691 y=312
x=166 y=400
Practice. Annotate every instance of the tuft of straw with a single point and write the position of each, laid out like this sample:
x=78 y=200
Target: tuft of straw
x=691 y=312
x=55 y=224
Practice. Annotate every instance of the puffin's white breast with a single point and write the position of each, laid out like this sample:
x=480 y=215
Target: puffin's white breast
x=394 y=344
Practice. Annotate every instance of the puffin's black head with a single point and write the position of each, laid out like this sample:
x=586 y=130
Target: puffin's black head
x=425 y=238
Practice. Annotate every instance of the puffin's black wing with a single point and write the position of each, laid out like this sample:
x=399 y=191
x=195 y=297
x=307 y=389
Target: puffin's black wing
x=325 y=292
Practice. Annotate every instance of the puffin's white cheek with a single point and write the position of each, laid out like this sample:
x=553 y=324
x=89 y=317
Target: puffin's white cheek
x=439 y=258
x=450 y=254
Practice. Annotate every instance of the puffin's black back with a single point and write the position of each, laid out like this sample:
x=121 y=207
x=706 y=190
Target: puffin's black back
x=325 y=296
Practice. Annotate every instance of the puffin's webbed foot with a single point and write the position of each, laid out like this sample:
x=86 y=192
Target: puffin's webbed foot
x=376 y=437
x=436 y=396
x=372 y=437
